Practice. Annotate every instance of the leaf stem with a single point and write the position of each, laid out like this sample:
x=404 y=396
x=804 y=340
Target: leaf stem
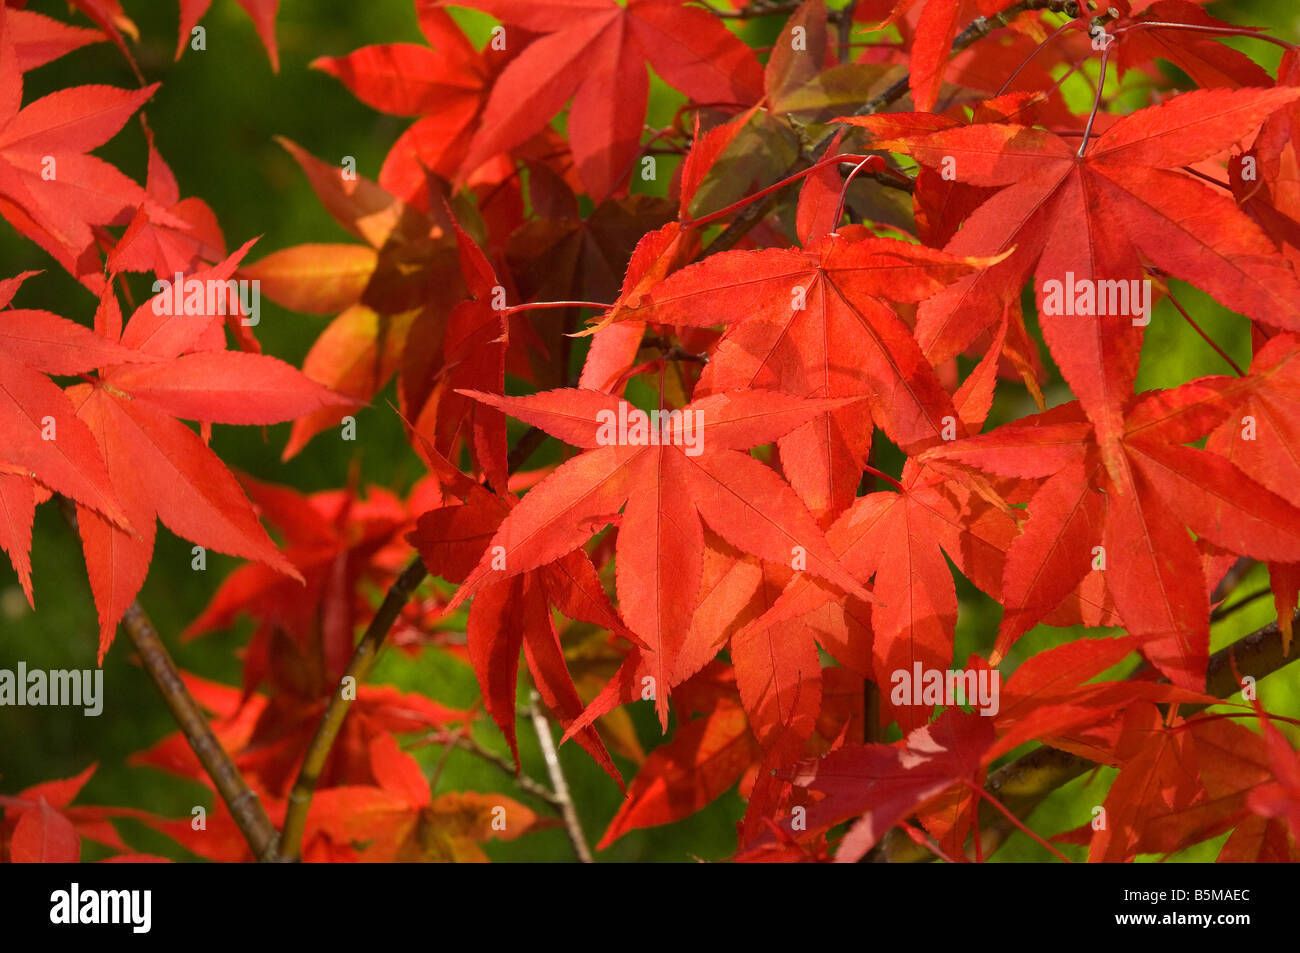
x=793 y=177
x=1014 y=820
x=542 y=305
x=1199 y=330
x=883 y=476
x=848 y=180
x=1096 y=103
x=1199 y=28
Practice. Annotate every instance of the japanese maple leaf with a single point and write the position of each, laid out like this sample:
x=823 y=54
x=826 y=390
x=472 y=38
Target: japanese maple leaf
x=473 y=355
x=1269 y=411
x=1052 y=697
x=268 y=735
x=705 y=757
x=394 y=291
x=109 y=16
x=1205 y=59
x=43 y=441
x=667 y=493
x=50 y=189
x=41 y=825
x=180 y=242
x=262 y=13
x=1281 y=798
x=713 y=746
x=815 y=323
x=902 y=538
x=596 y=51
x=778 y=670
x=1159 y=774
x=1271 y=195
x=515 y=612
x=399 y=820
x=1131 y=524
x=615 y=344
x=38 y=39
x=566 y=256
x=157 y=466
x=1179 y=785
x=332 y=539
x=1054 y=207
x=931 y=44
x=18 y=499
x=446 y=84
x=881 y=785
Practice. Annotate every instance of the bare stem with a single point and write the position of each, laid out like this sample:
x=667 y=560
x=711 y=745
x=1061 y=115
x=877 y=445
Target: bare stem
x=565 y=801
x=241 y=800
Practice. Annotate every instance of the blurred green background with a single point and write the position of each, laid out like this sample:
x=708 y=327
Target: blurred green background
x=214 y=118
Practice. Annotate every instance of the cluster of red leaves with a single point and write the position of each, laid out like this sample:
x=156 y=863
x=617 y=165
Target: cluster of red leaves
x=763 y=582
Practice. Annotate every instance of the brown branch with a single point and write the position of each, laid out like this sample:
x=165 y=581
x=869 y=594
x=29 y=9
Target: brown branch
x=245 y=808
x=846 y=30
x=241 y=800
x=572 y=825
x=363 y=660
x=532 y=438
x=1026 y=782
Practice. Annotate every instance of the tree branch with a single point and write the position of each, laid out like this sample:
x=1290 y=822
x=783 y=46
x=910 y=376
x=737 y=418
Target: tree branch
x=336 y=710
x=241 y=800
x=1026 y=782
x=572 y=825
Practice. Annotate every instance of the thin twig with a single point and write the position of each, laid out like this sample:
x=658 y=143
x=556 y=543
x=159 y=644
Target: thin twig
x=336 y=710
x=525 y=782
x=567 y=811
x=465 y=742
x=1224 y=611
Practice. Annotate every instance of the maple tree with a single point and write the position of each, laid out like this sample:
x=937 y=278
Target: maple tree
x=787 y=383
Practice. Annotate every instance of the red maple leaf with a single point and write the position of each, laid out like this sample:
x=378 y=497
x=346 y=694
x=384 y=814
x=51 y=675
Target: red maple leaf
x=667 y=492
x=596 y=52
